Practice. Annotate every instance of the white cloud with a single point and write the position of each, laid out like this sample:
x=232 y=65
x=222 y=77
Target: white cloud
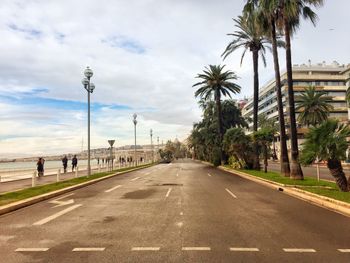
x=145 y=55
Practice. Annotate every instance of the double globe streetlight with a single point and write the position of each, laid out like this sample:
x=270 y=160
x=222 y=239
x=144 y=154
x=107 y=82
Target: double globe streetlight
x=135 y=122
x=89 y=87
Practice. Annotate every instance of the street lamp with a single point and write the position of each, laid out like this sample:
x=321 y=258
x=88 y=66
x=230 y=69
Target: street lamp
x=89 y=87
x=135 y=122
x=157 y=153
x=151 y=133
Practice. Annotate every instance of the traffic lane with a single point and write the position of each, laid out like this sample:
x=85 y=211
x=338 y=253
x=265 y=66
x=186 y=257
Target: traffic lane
x=24 y=218
x=74 y=227
x=308 y=171
x=289 y=216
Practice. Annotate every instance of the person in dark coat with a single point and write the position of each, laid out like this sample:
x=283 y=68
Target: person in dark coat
x=74 y=162
x=40 y=167
x=65 y=163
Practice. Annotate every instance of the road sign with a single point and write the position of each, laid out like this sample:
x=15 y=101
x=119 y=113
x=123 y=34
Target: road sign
x=111 y=142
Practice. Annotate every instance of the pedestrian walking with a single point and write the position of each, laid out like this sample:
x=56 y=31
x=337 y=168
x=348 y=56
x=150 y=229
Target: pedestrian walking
x=74 y=162
x=65 y=163
x=40 y=166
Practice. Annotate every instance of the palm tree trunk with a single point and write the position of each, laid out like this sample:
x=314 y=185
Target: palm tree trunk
x=336 y=169
x=265 y=158
x=256 y=105
x=220 y=128
x=283 y=145
x=295 y=171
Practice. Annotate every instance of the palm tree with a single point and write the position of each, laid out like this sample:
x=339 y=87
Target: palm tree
x=263 y=138
x=268 y=16
x=250 y=36
x=270 y=124
x=328 y=142
x=313 y=107
x=289 y=13
x=216 y=82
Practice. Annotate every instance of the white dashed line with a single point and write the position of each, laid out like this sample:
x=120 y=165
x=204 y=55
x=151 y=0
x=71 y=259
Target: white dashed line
x=232 y=194
x=83 y=249
x=299 y=250
x=209 y=174
x=113 y=188
x=181 y=213
x=54 y=216
x=196 y=248
x=244 y=249
x=177 y=174
x=145 y=248
x=32 y=249
x=344 y=250
x=168 y=193
x=135 y=179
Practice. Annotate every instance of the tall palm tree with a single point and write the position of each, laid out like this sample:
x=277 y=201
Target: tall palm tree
x=216 y=82
x=268 y=17
x=328 y=142
x=250 y=36
x=313 y=107
x=289 y=14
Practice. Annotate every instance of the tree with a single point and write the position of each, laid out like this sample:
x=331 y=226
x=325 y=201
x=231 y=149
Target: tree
x=268 y=17
x=215 y=83
x=265 y=123
x=263 y=138
x=236 y=143
x=289 y=13
x=328 y=142
x=250 y=36
x=204 y=136
x=313 y=107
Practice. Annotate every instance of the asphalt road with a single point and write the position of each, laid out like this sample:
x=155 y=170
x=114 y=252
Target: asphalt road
x=182 y=212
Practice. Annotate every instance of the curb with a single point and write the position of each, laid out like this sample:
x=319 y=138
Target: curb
x=36 y=199
x=321 y=201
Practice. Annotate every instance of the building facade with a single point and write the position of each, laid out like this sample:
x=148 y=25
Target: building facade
x=334 y=79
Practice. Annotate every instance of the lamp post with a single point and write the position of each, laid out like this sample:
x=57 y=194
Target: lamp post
x=89 y=87
x=135 y=122
x=157 y=147
x=151 y=133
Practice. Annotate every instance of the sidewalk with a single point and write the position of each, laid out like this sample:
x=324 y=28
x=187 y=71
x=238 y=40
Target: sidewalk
x=11 y=186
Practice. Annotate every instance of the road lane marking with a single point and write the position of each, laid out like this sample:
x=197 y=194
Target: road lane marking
x=62 y=203
x=344 y=250
x=299 y=250
x=244 y=249
x=168 y=193
x=113 y=188
x=181 y=213
x=177 y=174
x=135 y=178
x=5 y=238
x=233 y=195
x=209 y=174
x=32 y=249
x=145 y=248
x=147 y=173
x=196 y=248
x=79 y=249
x=54 y=216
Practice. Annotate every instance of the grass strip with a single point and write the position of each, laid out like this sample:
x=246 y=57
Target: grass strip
x=309 y=184
x=15 y=196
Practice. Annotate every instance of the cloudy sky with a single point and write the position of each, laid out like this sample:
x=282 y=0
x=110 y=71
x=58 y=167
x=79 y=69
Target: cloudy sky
x=144 y=54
